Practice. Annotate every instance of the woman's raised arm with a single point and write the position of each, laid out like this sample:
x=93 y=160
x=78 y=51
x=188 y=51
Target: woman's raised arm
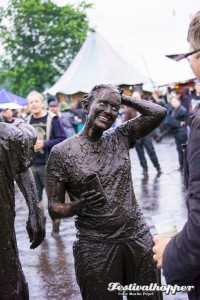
x=151 y=115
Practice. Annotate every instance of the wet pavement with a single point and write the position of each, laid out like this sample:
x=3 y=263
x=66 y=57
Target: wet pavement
x=49 y=269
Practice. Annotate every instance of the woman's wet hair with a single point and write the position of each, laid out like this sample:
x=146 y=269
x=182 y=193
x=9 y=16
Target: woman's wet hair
x=99 y=90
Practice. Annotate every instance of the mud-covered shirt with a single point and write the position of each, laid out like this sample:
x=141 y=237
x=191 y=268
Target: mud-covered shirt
x=74 y=159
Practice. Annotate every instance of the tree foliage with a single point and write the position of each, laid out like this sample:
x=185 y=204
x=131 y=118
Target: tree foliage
x=40 y=39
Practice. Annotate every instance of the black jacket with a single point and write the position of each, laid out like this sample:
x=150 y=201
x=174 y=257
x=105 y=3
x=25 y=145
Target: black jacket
x=181 y=260
x=175 y=117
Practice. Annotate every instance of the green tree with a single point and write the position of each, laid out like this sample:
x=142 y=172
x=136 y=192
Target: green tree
x=40 y=39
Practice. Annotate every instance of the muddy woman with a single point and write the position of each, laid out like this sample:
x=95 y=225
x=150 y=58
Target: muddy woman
x=113 y=241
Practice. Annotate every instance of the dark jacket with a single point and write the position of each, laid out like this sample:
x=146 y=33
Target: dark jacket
x=181 y=259
x=54 y=131
x=174 y=119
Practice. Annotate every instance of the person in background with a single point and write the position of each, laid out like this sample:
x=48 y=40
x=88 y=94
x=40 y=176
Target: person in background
x=179 y=256
x=50 y=99
x=54 y=108
x=17 y=113
x=79 y=114
x=145 y=143
x=195 y=98
x=185 y=98
x=49 y=133
x=129 y=113
x=157 y=132
x=7 y=114
x=177 y=123
x=68 y=118
x=16 y=153
x=121 y=115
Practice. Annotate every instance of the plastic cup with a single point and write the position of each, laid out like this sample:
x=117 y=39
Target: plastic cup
x=165 y=224
x=92 y=182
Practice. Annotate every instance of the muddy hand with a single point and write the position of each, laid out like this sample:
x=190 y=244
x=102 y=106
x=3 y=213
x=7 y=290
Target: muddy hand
x=36 y=232
x=90 y=199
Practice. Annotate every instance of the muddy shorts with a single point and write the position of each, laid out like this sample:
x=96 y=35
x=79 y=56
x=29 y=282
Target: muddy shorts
x=98 y=265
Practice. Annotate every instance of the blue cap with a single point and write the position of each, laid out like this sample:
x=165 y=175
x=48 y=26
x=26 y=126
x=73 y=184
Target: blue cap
x=53 y=103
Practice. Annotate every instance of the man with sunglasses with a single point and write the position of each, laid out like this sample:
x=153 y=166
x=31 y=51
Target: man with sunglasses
x=180 y=256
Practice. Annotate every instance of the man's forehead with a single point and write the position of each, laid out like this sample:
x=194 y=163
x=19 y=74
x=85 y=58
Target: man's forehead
x=34 y=98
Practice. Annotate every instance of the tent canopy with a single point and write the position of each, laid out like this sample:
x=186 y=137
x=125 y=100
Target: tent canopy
x=8 y=97
x=10 y=105
x=160 y=69
x=96 y=63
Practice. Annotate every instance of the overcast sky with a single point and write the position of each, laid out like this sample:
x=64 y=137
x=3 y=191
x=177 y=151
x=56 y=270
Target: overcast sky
x=141 y=25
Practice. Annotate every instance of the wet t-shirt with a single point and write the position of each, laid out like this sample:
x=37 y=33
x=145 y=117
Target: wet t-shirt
x=40 y=125
x=74 y=159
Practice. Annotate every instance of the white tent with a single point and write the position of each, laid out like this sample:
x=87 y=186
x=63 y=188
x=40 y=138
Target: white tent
x=10 y=105
x=96 y=63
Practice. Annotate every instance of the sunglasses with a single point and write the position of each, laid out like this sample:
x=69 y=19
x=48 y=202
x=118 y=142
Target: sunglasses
x=186 y=55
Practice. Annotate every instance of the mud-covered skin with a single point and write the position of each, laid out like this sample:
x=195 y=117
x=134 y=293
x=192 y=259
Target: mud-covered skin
x=113 y=242
x=35 y=224
x=16 y=153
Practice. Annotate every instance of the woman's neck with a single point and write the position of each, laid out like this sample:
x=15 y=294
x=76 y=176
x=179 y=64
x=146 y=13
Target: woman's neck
x=90 y=133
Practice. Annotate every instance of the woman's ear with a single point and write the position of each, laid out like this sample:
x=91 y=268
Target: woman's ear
x=86 y=106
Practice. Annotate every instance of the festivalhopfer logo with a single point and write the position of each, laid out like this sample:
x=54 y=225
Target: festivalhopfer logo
x=147 y=290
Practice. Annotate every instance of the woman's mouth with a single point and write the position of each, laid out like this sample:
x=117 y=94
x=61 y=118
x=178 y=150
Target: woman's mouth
x=103 y=118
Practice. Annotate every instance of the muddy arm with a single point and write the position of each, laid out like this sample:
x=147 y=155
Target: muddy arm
x=35 y=224
x=56 y=198
x=151 y=115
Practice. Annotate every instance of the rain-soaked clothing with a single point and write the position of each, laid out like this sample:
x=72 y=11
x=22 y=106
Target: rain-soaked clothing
x=16 y=153
x=114 y=242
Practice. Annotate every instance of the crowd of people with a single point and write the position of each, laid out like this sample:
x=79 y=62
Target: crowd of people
x=59 y=121
x=180 y=107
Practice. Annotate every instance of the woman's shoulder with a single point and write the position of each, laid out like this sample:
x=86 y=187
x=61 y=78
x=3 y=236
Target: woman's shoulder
x=117 y=134
x=66 y=144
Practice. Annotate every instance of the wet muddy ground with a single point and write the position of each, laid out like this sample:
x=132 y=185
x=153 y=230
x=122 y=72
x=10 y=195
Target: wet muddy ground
x=49 y=269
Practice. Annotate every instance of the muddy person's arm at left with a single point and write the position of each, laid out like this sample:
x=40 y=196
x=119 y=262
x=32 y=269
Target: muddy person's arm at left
x=35 y=224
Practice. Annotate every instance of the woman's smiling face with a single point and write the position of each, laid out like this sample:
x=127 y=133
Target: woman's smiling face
x=103 y=110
